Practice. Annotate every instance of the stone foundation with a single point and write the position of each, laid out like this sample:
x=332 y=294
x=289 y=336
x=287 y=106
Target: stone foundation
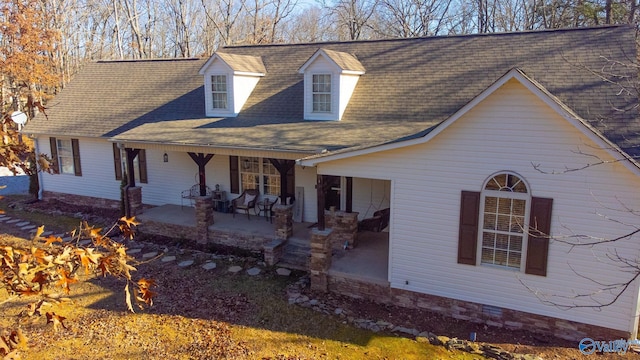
x=321 y=241
x=134 y=197
x=469 y=311
x=273 y=251
x=345 y=228
x=81 y=200
x=204 y=217
x=283 y=215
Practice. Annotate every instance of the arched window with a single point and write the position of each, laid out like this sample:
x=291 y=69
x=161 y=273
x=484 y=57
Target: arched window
x=500 y=222
x=504 y=210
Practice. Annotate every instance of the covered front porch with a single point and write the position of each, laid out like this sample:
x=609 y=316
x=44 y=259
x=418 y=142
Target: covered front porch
x=368 y=261
x=256 y=225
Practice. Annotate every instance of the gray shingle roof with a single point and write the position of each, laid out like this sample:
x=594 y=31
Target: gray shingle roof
x=344 y=60
x=410 y=86
x=245 y=63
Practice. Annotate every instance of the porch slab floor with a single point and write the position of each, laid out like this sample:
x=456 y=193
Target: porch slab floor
x=368 y=260
x=258 y=225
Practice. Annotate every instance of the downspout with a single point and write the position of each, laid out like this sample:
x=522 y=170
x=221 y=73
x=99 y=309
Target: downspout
x=635 y=314
x=38 y=170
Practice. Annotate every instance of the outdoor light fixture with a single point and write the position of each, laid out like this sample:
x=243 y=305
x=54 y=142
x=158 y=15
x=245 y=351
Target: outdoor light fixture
x=165 y=157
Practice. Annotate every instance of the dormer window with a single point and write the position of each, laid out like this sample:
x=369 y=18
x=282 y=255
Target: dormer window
x=321 y=93
x=330 y=77
x=219 y=91
x=229 y=80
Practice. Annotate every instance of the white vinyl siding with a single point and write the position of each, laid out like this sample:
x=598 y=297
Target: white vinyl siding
x=522 y=131
x=97 y=178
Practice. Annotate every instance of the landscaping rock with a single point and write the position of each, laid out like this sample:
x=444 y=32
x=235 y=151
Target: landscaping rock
x=22 y=223
x=168 y=258
x=405 y=330
x=235 y=269
x=186 y=263
x=338 y=311
x=209 y=265
x=254 y=271
x=441 y=340
x=150 y=255
x=132 y=251
x=283 y=272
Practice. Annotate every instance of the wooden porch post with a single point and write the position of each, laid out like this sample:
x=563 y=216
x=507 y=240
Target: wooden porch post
x=131 y=154
x=320 y=191
x=349 y=195
x=201 y=160
x=283 y=167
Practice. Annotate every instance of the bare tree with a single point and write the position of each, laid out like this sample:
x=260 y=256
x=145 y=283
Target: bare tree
x=222 y=15
x=352 y=16
x=412 y=18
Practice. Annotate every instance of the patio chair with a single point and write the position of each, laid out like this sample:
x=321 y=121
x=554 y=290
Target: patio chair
x=246 y=201
x=377 y=223
x=192 y=193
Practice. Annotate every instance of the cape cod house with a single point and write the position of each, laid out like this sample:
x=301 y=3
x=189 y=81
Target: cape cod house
x=471 y=142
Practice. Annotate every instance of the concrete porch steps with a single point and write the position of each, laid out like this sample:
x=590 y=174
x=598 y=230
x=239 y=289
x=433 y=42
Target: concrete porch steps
x=295 y=256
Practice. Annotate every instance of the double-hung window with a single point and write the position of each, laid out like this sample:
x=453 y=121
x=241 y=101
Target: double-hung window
x=219 y=91
x=321 y=93
x=65 y=156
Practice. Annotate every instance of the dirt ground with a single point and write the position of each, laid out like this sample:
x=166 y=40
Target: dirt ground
x=519 y=341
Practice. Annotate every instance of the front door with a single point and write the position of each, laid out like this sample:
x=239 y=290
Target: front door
x=332 y=192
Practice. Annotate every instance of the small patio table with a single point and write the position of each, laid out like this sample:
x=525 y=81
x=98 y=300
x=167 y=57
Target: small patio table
x=265 y=206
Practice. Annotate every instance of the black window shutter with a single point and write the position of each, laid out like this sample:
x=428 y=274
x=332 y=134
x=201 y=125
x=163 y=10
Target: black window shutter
x=75 y=147
x=468 y=232
x=117 y=161
x=53 y=143
x=234 y=175
x=539 y=230
x=142 y=166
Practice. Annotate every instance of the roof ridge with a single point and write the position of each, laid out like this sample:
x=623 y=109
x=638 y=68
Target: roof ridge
x=506 y=33
x=147 y=60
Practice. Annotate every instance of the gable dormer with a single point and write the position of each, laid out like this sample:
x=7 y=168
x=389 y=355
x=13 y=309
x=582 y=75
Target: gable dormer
x=229 y=79
x=330 y=77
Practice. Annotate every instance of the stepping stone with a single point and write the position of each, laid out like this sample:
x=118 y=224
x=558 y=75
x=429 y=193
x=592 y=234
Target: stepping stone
x=253 y=271
x=63 y=235
x=13 y=221
x=149 y=255
x=133 y=251
x=209 y=265
x=85 y=242
x=66 y=239
x=4 y=218
x=283 y=272
x=47 y=233
x=27 y=227
x=186 y=263
x=168 y=258
x=235 y=269
x=23 y=223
